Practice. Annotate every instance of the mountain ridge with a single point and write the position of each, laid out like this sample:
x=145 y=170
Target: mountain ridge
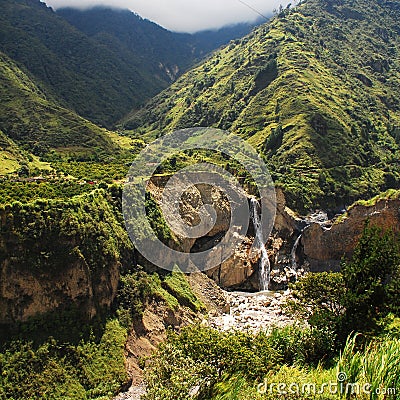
x=94 y=73
x=315 y=91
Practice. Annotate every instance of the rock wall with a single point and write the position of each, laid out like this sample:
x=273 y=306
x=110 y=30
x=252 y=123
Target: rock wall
x=60 y=254
x=25 y=293
x=320 y=247
x=240 y=271
x=324 y=247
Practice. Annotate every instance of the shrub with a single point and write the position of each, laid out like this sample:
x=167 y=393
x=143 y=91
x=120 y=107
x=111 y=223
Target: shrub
x=201 y=356
x=318 y=298
x=177 y=284
x=371 y=278
x=92 y=369
x=361 y=296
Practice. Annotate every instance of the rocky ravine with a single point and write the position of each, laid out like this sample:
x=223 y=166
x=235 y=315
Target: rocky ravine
x=296 y=244
x=226 y=311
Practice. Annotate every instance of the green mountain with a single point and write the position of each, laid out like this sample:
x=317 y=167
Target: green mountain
x=32 y=124
x=164 y=53
x=97 y=82
x=100 y=63
x=315 y=90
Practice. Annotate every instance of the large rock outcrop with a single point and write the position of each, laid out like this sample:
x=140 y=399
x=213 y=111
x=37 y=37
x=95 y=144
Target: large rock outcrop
x=59 y=255
x=240 y=271
x=296 y=244
x=324 y=246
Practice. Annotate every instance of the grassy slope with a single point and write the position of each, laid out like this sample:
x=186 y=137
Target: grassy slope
x=33 y=122
x=315 y=91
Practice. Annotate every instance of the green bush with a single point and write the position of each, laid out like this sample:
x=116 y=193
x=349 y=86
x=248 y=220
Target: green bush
x=133 y=293
x=371 y=278
x=200 y=356
x=318 y=298
x=361 y=296
x=177 y=284
x=91 y=369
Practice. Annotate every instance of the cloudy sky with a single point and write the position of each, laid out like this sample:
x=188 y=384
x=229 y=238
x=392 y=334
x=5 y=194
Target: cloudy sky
x=186 y=15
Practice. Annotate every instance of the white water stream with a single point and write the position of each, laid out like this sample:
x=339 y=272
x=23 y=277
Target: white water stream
x=265 y=266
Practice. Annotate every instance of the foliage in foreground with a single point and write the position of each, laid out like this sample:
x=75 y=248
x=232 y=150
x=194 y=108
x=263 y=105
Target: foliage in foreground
x=361 y=296
x=92 y=369
x=201 y=364
x=201 y=356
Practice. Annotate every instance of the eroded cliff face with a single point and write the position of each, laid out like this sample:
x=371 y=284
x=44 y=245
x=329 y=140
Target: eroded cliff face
x=25 y=293
x=240 y=271
x=324 y=246
x=296 y=244
x=58 y=254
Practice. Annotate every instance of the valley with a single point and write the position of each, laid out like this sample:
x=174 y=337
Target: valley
x=310 y=286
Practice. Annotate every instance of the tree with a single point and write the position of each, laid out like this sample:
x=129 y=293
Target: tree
x=361 y=295
x=371 y=277
x=318 y=299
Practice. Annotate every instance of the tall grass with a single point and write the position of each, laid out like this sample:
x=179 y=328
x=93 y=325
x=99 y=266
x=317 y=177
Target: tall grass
x=375 y=365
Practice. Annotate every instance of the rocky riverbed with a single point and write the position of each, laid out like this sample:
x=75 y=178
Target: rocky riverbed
x=253 y=311
x=248 y=311
x=134 y=393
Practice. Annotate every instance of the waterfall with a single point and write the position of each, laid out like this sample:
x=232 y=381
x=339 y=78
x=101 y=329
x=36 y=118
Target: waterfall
x=265 y=267
x=294 y=250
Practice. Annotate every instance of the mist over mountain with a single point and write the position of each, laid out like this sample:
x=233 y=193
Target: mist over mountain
x=182 y=15
x=111 y=63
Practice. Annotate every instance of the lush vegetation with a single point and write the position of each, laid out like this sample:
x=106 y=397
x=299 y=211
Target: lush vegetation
x=203 y=363
x=287 y=363
x=62 y=356
x=80 y=72
x=139 y=289
x=315 y=90
x=100 y=62
x=85 y=228
x=361 y=296
x=128 y=31
x=93 y=368
x=34 y=123
x=25 y=192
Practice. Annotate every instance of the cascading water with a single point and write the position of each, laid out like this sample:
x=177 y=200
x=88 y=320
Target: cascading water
x=265 y=266
x=294 y=250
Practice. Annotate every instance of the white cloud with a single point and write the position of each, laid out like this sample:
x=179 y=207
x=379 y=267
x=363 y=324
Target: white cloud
x=185 y=15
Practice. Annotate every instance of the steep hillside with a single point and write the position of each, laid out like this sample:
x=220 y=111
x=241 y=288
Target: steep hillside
x=103 y=62
x=32 y=123
x=98 y=82
x=164 y=53
x=315 y=90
